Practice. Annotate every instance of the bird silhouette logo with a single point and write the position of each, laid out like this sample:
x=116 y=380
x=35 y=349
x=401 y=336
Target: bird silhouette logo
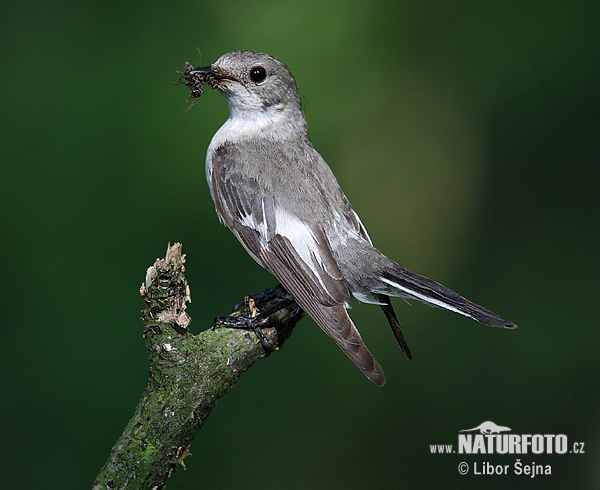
x=488 y=428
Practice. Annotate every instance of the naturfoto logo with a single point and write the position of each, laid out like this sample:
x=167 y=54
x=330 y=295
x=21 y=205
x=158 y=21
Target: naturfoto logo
x=493 y=439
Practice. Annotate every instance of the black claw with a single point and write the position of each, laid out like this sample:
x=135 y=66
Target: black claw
x=263 y=340
x=247 y=322
x=243 y=303
x=233 y=321
x=296 y=313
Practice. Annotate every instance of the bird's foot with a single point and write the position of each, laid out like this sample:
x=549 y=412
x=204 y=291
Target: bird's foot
x=260 y=299
x=253 y=319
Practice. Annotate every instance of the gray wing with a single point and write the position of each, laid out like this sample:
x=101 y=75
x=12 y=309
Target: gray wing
x=297 y=253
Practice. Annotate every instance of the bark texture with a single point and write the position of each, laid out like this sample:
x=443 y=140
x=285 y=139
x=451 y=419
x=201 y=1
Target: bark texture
x=187 y=375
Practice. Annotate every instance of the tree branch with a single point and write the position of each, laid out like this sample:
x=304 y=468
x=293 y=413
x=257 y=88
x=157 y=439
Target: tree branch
x=187 y=375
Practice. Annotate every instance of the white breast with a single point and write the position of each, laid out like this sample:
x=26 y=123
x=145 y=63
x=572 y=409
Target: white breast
x=270 y=124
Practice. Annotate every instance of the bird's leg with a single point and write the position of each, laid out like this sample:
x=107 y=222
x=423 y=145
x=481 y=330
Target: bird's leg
x=278 y=292
x=252 y=319
x=269 y=295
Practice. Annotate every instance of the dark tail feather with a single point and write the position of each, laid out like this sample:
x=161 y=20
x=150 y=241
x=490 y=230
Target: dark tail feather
x=390 y=314
x=402 y=282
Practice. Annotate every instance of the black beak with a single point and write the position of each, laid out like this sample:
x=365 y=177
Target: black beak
x=208 y=73
x=201 y=70
x=195 y=78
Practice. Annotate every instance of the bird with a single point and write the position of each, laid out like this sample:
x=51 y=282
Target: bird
x=278 y=196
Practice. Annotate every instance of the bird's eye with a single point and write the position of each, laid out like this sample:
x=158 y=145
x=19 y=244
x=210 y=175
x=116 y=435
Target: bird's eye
x=258 y=74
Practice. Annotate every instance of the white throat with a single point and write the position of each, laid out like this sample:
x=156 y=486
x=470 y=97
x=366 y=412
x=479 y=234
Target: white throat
x=248 y=125
x=249 y=121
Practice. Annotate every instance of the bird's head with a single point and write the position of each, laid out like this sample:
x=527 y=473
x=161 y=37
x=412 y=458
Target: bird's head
x=252 y=83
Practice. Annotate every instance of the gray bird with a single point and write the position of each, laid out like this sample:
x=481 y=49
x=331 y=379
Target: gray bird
x=275 y=192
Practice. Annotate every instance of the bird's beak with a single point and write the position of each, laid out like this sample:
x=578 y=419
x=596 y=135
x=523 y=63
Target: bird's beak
x=210 y=73
x=202 y=70
x=195 y=78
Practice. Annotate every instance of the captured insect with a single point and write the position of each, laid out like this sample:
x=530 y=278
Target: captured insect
x=194 y=79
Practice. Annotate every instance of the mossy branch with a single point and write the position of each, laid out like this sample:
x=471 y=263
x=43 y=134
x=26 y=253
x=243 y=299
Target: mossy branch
x=187 y=375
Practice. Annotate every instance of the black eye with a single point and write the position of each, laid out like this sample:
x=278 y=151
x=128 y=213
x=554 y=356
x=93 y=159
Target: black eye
x=258 y=74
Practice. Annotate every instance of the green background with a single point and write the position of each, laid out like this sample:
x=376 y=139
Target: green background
x=465 y=134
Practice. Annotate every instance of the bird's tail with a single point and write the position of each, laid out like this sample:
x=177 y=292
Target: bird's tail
x=390 y=314
x=395 y=280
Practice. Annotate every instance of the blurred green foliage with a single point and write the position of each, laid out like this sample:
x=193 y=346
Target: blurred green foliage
x=466 y=134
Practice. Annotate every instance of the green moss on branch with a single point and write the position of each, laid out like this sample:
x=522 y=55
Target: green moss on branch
x=187 y=375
